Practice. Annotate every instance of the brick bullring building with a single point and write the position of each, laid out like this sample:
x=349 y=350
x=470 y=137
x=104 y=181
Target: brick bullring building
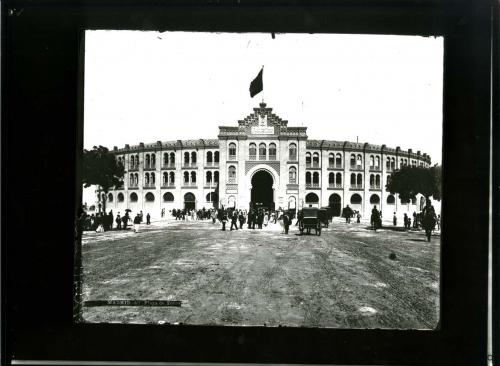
x=261 y=161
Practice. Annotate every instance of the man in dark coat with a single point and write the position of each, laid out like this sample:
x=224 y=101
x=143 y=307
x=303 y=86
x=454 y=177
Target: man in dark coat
x=148 y=219
x=286 y=221
x=241 y=219
x=110 y=220
x=223 y=220
x=118 y=221
x=125 y=221
x=234 y=220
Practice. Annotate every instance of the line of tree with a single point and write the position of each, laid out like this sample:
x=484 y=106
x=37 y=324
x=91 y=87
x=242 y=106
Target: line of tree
x=412 y=180
x=101 y=168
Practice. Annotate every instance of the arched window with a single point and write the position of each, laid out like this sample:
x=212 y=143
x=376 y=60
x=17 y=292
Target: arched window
x=404 y=201
x=150 y=197
x=252 y=151
x=232 y=174
x=165 y=179
x=133 y=197
x=216 y=157
x=186 y=178
x=153 y=179
x=153 y=161
x=147 y=161
x=374 y=199
x=315 y=179
x=209 y=158
x=110 y=197
x=331 y=160
x=353 y=161
x=232 y=150
x=292 y=203
x=146 y=179
x=262 y=151
x=186 y=158
x=338 y=180
x=338 y=160
x=136 y=180
x=377 y=162
x=388 y=163
x=193 y=177
x=308 y=178
x=312 y=198
x=172 y=178
x=315 y=159
x=131 y=179
x=372 y=181
x=292 y=152
x=172 y=158
x=212 y=197
x=401 y=162
x=193 y=158
x=372 y=161
x=272 y=151
x=137 y=161
x=209 y=178
x=292 y=175
x=231 y=201
x=359 y=161
x=353 y=180
x=168 y=197
x=308 y=159
x=165 y=159
x=377 y=181
x=331 y=179
x=189 y=197
x=391 y=200
x=216 y=177
x=356 y=199
x=393 y=163
x=132 y=162
x=120 y=197
x=359 y=180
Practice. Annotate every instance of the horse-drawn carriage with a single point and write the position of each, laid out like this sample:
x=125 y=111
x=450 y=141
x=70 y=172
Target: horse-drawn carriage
x=309 y=219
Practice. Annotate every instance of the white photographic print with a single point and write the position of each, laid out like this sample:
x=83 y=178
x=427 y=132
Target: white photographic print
x=250 y=179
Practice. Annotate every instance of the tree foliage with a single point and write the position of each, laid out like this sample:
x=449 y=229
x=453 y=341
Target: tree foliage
x=412 y=180
x=101 y=168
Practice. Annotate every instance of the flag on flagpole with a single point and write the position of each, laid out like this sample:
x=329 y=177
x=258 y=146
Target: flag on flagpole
x=256 y=86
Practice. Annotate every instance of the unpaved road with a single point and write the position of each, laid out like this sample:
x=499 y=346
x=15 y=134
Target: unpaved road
x=343 y=278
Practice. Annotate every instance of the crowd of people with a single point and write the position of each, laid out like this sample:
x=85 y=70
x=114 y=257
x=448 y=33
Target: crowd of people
x=418 y=220
x=101 y=222
x=254 y=218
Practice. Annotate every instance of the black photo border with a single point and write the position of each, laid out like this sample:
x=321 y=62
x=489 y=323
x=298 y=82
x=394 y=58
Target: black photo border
x=42 y=113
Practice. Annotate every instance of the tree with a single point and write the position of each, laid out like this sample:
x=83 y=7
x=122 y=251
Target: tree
x=412 y=180
x=101 y=168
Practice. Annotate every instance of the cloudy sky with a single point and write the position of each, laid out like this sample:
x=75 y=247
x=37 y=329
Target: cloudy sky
x=150 y=86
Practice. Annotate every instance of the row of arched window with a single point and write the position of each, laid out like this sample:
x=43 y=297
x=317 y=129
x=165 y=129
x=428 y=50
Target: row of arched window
x=263 y=151
x=167 y=197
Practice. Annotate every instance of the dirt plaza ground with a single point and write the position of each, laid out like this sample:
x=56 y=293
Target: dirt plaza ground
x=342 y=279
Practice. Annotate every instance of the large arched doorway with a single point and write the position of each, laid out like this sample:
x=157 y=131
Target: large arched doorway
x=189 y=201
x=335 y=204
x=262 y=190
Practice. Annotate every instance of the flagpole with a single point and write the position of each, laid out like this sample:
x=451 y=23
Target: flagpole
x=262 y=84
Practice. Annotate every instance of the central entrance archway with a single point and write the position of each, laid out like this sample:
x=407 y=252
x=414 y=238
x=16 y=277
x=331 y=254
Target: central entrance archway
x=262 y=190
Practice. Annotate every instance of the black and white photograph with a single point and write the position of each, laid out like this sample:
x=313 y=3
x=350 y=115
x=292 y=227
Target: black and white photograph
x=261 y=179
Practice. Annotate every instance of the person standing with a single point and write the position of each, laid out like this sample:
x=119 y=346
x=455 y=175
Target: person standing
x=137 y=222
x=118 y=221
x=414 y=220
x=148 y=219
x=394 y=219
x=110 y=220
x=358 y=217
x=224 y=220
x=286 y=222
x=234 y=220
x=241 y=218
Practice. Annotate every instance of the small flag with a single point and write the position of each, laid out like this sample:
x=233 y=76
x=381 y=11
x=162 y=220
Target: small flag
x=256 y=86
